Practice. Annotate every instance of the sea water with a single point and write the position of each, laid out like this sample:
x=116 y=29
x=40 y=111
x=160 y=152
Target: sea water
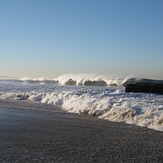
x=100 y=96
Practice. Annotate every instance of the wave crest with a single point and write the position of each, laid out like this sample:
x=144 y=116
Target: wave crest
x=90 y=80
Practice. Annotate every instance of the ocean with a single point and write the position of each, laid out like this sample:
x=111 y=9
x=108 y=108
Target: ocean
x=101 y=96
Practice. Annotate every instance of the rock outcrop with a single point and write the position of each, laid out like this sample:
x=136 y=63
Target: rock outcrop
x=145 y=88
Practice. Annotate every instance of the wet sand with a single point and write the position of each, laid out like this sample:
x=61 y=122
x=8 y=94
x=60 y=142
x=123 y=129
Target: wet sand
x=29 y=135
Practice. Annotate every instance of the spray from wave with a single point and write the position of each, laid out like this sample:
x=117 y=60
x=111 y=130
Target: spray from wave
x=81 y=80
x=90 y=80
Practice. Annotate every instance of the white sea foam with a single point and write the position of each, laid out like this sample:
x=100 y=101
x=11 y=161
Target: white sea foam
x=89 y=80
x=35 y=79
x=111 y=103
x=82 y=79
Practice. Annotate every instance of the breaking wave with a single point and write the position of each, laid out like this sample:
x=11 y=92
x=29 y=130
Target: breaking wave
x=89 y=80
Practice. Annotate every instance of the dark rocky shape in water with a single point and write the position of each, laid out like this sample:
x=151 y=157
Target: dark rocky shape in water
x=95 y=83
x=70 y=82
x=145 y=88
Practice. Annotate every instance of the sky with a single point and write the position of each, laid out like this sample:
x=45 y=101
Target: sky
x=48 y=38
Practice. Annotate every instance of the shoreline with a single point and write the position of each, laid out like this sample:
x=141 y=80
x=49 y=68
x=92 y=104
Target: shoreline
x=30 y=135
x=29 y=105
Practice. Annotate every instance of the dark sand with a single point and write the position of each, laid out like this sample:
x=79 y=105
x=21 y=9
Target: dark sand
x=28 y=135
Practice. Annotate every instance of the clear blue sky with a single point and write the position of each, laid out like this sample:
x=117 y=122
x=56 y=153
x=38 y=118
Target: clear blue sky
x=53 y=37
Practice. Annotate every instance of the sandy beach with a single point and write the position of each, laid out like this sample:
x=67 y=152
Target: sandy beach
x=46 y=136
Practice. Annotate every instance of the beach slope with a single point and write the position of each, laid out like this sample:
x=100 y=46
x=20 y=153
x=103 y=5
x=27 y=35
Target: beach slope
x=29 y=135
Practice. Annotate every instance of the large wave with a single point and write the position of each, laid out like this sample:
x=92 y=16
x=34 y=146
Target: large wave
x=90 y=80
